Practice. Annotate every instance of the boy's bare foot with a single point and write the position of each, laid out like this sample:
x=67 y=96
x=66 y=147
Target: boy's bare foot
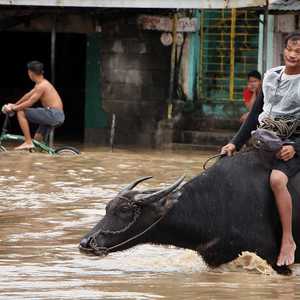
x=287 y=253
x=25 y=146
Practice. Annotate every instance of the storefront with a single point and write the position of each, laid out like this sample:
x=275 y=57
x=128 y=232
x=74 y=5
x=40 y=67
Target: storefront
x=103 y=62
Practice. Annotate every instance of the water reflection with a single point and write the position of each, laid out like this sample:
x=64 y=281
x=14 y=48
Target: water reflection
x=47 y=204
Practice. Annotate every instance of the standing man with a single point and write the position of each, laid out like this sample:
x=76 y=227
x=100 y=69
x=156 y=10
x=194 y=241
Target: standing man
x=51 y=113
x=280 y=97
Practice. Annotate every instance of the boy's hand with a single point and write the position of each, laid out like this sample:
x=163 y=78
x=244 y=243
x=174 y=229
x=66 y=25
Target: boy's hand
x=9 y=107
x=5 y=108
x=286 y=153
x=228 y=149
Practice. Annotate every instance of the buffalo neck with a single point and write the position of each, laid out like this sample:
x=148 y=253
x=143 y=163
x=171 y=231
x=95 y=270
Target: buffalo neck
x=191 y=222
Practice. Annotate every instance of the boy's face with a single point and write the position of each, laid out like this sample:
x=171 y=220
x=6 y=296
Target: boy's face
x=31 y=75
x=253 y=83
x=292 y=54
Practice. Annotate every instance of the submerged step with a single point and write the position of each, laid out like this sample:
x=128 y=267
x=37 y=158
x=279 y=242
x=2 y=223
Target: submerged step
x=183 y=146
x=216 y=138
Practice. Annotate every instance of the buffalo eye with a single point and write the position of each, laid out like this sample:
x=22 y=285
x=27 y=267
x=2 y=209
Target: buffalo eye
x=125 y=209
x=125 y=212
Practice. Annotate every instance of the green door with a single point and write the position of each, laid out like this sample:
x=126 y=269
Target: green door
x=95 y=117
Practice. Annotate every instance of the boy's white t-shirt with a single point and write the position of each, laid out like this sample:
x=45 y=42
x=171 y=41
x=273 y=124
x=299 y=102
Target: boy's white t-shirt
x=281 y=94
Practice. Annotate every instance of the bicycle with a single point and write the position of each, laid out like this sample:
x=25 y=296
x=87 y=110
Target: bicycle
x=40 y=146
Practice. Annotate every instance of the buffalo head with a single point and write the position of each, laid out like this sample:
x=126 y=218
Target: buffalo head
x=129 y=218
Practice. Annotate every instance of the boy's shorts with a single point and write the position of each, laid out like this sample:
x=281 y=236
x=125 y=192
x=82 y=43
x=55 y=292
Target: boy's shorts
x=46 y=118
x=289 y=168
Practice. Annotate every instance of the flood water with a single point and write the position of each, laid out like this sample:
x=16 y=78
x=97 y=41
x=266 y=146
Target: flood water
x=48 y=203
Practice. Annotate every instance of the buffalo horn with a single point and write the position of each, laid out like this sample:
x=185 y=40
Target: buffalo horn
x=160 y=194
x=134 y=184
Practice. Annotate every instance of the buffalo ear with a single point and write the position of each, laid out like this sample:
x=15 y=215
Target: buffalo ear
x=165 y=204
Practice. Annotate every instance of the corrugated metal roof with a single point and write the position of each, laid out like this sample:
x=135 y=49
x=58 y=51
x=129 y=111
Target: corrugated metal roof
x=196 y=4
x=286 y=5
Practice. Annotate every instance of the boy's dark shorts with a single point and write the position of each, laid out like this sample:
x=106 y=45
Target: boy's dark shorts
x=289 y=168
x=45 y=118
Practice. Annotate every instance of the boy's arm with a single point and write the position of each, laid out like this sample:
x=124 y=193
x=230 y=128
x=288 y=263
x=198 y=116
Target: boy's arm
x=34 y=97
x=253 y=99
x=250 y=124
x=25 y=97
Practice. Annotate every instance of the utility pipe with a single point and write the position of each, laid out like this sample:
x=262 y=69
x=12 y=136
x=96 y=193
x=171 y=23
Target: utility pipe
x=265 y=38
x=172 y=72
x=232 y=54
x=53 y=47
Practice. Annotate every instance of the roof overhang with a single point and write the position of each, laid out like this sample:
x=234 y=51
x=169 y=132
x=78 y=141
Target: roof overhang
x=284 y=5
x=170 y=4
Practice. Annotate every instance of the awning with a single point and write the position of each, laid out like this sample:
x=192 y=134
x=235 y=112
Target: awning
x=284 y=5
x=194 y=4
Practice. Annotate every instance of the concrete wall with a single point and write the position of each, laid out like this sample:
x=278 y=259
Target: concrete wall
x=28 y=20
x=134 y=80
x=281 y=27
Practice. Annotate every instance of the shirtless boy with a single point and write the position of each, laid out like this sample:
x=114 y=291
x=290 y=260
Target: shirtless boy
x=51 y=113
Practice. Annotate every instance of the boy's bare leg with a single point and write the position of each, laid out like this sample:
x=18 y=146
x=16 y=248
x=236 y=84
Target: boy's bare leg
x=26 y=131
x=278 y=181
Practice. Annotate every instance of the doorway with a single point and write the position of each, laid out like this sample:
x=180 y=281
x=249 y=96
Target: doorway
x=18 y=48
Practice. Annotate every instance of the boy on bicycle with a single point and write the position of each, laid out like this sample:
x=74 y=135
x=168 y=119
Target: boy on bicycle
x=51 y=113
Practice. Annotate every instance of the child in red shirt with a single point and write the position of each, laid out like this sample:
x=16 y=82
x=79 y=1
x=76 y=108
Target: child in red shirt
x=251 y=91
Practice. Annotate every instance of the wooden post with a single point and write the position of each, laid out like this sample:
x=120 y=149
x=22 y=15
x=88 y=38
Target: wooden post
x=172 y=72
x=265 y=38
x=53 y=47
x=201 y=61
x=112 y=132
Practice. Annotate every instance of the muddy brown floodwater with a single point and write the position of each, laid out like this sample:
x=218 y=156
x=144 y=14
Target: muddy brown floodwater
x=48 y=203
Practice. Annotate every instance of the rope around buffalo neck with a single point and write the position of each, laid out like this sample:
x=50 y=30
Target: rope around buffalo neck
x=283 y=126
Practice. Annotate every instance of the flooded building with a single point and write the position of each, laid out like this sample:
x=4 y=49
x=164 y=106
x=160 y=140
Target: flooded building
x=116 y=57
x=99 y=59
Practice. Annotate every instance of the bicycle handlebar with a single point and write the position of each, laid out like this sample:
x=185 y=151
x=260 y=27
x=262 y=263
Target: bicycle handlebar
x=5 y=124
x=7 y=116
x=10 y=114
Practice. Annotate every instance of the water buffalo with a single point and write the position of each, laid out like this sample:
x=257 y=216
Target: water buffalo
x=225 y=210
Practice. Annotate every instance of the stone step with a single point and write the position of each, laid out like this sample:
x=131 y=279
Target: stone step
x=182 y=146
x=203 y=124
x=206 y=138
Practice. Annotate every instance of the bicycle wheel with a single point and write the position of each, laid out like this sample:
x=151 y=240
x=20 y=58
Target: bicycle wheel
x=3 y=149
x=66 y=150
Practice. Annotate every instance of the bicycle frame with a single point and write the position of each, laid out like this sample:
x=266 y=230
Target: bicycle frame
x=5 y=136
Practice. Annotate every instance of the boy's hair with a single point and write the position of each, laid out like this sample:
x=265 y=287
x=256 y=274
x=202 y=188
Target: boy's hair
x=254 y=74
x=293 y=36
x=36 y=67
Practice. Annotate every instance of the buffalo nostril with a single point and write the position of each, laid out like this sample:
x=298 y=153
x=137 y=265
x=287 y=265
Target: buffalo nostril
x=85 y=242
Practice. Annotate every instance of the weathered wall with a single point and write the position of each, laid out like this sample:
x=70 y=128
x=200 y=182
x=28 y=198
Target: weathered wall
x=134 y=80
x=34 y=20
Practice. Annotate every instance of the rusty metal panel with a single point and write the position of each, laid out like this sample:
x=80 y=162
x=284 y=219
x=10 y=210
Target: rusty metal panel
x=196 y=4
x=166 y=24
x=285 y=5
x=285 y=23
